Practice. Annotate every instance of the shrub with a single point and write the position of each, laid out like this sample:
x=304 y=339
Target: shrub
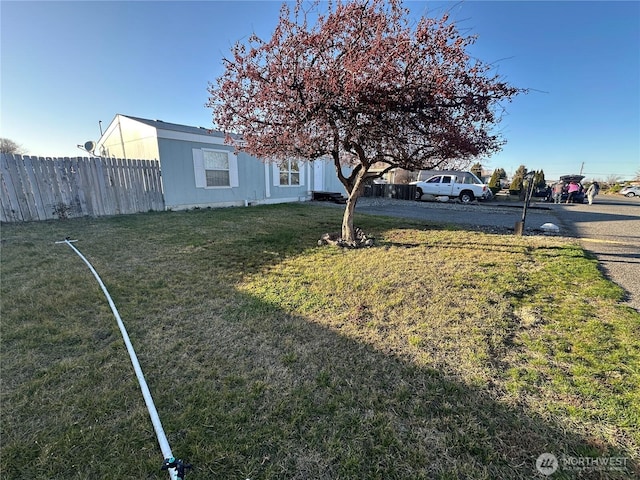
x=516 y=184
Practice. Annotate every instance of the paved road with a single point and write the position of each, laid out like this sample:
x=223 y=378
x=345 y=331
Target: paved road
x=484 y=215
x=610 y=228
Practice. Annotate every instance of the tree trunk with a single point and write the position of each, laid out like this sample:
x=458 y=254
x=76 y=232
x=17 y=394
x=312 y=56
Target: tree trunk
x=348 y=230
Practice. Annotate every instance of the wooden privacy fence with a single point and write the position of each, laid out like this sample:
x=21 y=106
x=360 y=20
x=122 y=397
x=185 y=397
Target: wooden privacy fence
x=37 y=188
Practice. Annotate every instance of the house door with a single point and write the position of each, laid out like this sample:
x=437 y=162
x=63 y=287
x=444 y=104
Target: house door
x=318 y=176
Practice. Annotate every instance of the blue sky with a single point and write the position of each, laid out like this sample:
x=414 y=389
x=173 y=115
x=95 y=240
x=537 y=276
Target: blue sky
x=65 y=66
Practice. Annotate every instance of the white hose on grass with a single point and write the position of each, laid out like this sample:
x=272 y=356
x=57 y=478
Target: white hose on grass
x=153 y=413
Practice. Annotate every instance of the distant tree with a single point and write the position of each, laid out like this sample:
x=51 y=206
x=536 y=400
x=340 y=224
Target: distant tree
x=613 y=179
x=500 y=173
x=9 y=146
x=494 y=181
x=538 y=180
x=360 y=84
x=521 y=171
x=517 y=182
x=476 y=169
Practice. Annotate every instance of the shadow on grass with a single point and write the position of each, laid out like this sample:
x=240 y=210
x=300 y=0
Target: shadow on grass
x=244 y=389
x=288 y=398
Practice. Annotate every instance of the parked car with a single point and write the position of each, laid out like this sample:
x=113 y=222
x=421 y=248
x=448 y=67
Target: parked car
x=577 y=197
x=630 y=191
x=542 y=193
x=451 y=183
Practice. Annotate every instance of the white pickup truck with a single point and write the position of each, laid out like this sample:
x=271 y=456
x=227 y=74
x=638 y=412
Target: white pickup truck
x=450 y=183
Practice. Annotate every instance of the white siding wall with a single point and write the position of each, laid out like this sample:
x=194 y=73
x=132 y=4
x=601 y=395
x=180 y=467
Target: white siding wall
x=129 y=139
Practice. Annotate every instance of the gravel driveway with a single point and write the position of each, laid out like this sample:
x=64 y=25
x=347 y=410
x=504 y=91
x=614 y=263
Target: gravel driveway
x=489 y=216
x=610 y=228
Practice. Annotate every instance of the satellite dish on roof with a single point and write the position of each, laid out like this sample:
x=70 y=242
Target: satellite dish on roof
x=90 y=146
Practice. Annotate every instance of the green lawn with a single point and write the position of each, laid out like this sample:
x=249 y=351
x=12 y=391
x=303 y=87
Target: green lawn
x=438 y=354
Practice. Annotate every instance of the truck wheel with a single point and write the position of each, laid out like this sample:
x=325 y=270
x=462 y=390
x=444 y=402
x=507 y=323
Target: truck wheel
x=466 y=196
x=418 y=195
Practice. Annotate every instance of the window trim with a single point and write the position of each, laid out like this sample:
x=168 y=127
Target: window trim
x=200 y=172
x=278 y=169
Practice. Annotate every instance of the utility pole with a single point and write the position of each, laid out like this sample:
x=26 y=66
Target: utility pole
x=581 y=167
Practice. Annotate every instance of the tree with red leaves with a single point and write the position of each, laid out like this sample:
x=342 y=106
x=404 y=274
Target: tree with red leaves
x=359 y=84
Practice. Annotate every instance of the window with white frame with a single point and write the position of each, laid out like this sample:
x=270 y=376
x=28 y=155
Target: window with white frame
x=290 y=172
x=215 y=168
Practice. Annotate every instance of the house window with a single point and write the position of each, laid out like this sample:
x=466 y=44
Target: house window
x=290 y=173
x=216 y=168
